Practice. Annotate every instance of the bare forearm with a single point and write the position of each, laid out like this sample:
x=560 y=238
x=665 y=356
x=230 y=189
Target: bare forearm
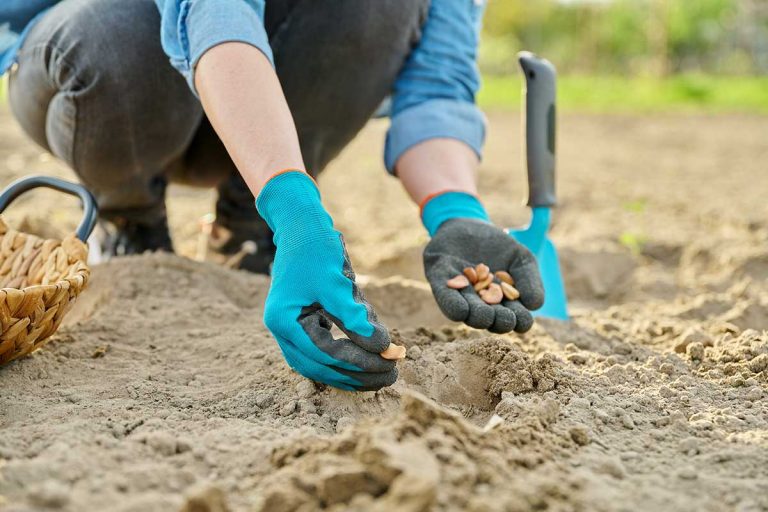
x=244 y=101
x=438 y=165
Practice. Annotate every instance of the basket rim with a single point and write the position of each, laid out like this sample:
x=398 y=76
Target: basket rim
x=83 y=272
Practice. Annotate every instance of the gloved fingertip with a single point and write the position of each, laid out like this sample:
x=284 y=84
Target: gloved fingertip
x=479 y=320
x=359 y=322
x=366 y=381
x=528 y=283
x=377 y=342
x=523 y=316
x=481 y=315
x=453 y=305
x=532 y=299
x=524 y=324
x=505 y=320
x=381 y=339
x=377 y=381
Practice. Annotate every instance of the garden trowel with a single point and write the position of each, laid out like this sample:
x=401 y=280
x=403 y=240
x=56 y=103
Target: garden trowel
x=540 y=123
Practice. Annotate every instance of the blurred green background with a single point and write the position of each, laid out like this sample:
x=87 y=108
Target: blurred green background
x=632 y=55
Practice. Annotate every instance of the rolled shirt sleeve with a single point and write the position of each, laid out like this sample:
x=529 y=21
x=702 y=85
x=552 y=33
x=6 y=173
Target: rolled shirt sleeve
x=189 y=28
x=434 y=95
x=17 y=17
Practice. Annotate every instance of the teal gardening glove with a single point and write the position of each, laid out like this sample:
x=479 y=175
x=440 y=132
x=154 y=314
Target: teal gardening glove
x=313 y=286
x=462 y=236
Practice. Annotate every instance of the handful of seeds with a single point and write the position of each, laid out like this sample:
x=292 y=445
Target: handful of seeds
x=492 y=287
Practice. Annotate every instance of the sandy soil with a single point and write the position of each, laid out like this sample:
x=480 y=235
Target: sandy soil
x=163 y=391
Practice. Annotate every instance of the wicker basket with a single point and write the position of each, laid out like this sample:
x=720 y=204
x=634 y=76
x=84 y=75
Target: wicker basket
x=40 y=279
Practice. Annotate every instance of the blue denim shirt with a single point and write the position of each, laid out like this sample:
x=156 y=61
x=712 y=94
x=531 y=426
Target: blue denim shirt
x=16 y=18
x=433 y=97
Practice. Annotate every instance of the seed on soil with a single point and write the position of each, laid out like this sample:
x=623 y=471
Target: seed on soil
x=504 y=277
x=458 y=282
x=510 y=292
x=483 y=271
x=492 y=295
x=484 y=283
x=471 y=274
x=394 y=352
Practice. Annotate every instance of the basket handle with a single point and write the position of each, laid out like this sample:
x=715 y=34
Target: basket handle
x=90 y=213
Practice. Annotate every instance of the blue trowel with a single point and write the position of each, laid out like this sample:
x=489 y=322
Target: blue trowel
x=540 y=128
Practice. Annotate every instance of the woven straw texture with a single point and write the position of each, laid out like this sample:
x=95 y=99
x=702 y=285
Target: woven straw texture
x=40 y=280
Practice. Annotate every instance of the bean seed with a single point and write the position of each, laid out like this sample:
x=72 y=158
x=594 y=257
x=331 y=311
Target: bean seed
x=482 y=285
x=492 y=295
x=482 y=280
x=504 y=277
x=458 y=282
x=510 y=292
x=471 y=274
x=394 y=352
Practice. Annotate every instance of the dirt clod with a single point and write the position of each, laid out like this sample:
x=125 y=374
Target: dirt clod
x=205 y=499
x=580 y=435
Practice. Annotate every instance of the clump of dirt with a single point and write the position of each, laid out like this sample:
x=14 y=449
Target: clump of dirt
x=423 y=457
x=740 y=359
x=516 y=372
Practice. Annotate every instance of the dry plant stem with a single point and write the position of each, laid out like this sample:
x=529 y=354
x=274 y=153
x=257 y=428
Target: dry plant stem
x=394 y=352
x=206 y=228
x=247 y=247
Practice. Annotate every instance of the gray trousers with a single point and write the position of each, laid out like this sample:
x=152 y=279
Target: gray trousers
x=94 y=88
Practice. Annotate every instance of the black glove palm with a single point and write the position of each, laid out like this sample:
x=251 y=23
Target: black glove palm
x=460 y=243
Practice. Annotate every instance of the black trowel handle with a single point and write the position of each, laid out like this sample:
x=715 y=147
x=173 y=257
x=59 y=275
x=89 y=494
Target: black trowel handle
x=540 y=128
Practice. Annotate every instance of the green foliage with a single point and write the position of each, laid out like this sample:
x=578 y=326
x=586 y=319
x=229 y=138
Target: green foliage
x=698 y=26
x=633 y=241
x=635 y=206
x=640 y=94
x=639 y=37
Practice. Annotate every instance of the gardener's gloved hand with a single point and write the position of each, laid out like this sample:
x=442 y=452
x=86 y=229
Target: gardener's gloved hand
x=313 y=286
x=462 y=236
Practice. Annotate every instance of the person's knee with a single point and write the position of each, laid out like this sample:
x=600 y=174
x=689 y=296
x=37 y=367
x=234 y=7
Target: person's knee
x=95 y=85
x=104 y=56
x=75 y=37
x=109 y=41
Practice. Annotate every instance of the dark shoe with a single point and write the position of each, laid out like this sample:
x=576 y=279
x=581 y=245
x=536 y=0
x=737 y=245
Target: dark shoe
x=122 y=237
x=246 y=245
